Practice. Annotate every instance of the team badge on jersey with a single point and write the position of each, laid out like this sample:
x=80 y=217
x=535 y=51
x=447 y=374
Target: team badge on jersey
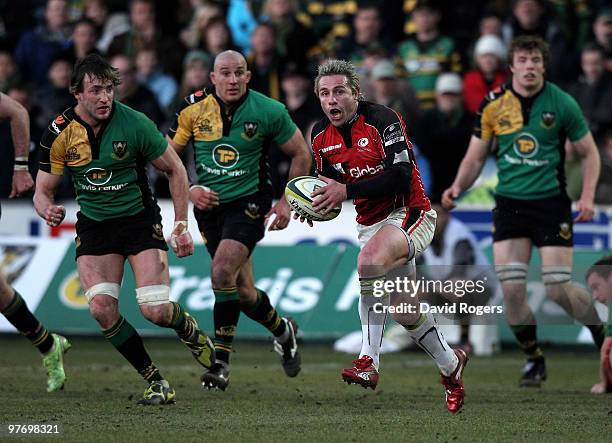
x=564 y=231
x=250 y=129
x=205 y=126
x=548 y=119
x=72 y=154
x=120 y=150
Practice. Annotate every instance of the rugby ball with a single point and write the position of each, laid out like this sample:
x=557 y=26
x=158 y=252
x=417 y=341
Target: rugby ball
x=297 y=193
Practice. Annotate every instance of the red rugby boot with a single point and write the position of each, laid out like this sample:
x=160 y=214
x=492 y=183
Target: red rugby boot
x=453 y=384
x=362 y=373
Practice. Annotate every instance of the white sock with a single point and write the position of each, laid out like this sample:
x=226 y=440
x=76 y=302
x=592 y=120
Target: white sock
x=427 y=335
x=372 y=322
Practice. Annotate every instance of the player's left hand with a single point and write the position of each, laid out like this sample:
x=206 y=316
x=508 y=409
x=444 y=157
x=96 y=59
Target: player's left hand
x=180 y=240
x=22 y=183
x=282 y=213
x=586 y=210
x=328 y=197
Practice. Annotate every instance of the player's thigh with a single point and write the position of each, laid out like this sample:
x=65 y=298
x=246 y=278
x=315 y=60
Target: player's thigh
x=388 y=248
x=209 y=227
x=150 y=267
x=412 y=231
x=96 y=269
x=514 y=250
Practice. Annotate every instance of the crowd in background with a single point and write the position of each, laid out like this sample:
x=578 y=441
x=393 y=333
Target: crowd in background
x=432 y=61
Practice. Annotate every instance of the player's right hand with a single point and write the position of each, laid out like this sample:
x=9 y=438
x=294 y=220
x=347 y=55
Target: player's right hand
x=22 y=183
x=181 y=241
x=54 y=215
x=302 y=219
x=449 y=196
x=203 y=197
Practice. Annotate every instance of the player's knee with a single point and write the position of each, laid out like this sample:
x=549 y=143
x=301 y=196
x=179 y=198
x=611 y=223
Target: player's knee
x=368 y=262
x=248 y=295
x=223 y=275
x=512 y=273
x=157 y=314
x=103 y=307
x=151 y=299
x=513 y=277
x=102 y=299
x=557 y=281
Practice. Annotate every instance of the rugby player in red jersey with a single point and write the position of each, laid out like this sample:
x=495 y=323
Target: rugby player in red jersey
x=363 y=153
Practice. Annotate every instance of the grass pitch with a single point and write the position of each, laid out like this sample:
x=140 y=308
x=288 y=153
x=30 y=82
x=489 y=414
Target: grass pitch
x=263 y=405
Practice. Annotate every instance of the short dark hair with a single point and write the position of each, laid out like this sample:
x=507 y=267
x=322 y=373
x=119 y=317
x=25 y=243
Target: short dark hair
x=529 y=43
x=86 y=21
x=95 y=66
x=602 y=267
x=594 y=47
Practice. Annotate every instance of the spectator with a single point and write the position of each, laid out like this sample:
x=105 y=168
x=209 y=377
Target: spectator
x=445 y=132
x=264 y=62
x=196 y=74
x=149 y=74
x=428 y=53
x=490 y=24
x=216 y=38
x=143 y=33
x=133 y=94
x=575 y=19
x=84 y=37
x=242 y=22
x=295 y=41
x=55 y=97
x=36 y=49
x=8 y=71
x=330 y=19
x=529 y=18
x=603 y=195
x=593 y=91
x=367 y=32
x=490 y=73
x=108 y=26
x=304 y=110
x=602 y=29
x=15 y=18
x=202 y=14
x=389 y=90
